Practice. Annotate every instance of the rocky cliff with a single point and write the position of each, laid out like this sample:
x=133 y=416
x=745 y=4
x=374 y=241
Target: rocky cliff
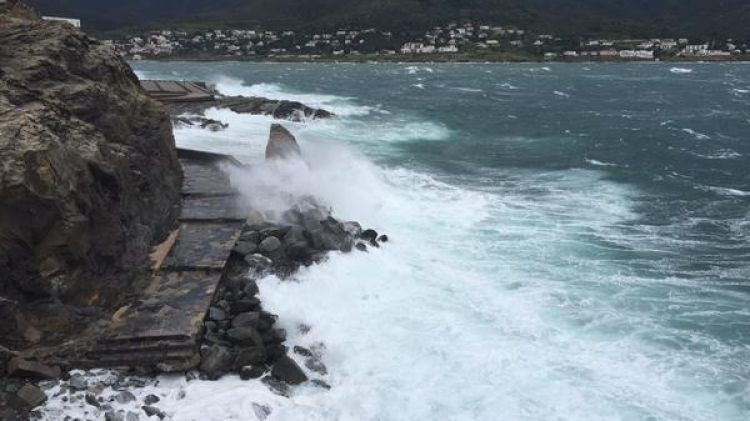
x=89 y=175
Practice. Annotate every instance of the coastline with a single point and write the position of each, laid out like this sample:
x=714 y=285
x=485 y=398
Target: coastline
x=433 y=58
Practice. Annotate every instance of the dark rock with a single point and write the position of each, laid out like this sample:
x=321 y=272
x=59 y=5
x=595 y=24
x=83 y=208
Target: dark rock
x=215 y=361
x=211 y=326
x=30 y=396
x=243 y=306
x=276 y=386
x=250 y=237
x=299 y=250
x=269 y=245
x=353 y=228
x=216 y=314
x=111 y=415
x=300 y=350
x=90 y=174
x=151 y=411
x=124 y=397
x=244 y=248
x=251 y=372
x=251 y=288
x=18 y=367
x=266 y=321
x=91 y=400
x=250 y=356
x=151 y=399
x=383 y=238
x=249 y=319
x=287 y=370
x=245 y=336
x=369 y=235
x=276 y=351
x=361 y=246
x=281 y=143
x=321 y=384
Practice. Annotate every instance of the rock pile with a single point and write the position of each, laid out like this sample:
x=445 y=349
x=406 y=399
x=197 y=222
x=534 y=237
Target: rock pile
x=240 y=336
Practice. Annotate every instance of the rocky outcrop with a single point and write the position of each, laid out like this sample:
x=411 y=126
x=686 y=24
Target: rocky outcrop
x=89 y=176
x=281 y=143
x=279 y=109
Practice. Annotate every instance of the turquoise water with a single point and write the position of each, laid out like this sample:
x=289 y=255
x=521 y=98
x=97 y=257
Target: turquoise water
x=570 y=240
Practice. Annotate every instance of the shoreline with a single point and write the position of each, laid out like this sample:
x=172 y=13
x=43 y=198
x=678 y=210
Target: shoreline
x=425 y=60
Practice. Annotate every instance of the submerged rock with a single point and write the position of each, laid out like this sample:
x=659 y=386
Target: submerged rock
x=287 y=370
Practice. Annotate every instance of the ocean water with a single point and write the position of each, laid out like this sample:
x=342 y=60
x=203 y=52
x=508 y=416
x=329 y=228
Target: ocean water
x=569 y=241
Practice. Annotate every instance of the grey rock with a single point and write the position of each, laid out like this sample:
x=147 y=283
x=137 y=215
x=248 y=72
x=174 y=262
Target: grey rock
x=249 y=319
x=18 y=367
x=261 y=411
x=30 y=396
x=152 y=410
x=258 y=261
x=250 y=237
x=244 y=248
x=276 y=386
x=251 y=288
x=216 y=314
x=369 y=235
x=269 y=245
x=91 y=400
x=124 y=397
x=383 y=238
x=77 y=382
x=250 y=356
x=215 y=361
x=245 y=305
x=151 y=399
x=316 y=365
x=361 y=246
x=287 y=370
x=131 y=416
x=245 y=336
x=111 y=415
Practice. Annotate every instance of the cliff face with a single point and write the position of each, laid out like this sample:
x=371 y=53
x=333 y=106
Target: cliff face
x=89 y=175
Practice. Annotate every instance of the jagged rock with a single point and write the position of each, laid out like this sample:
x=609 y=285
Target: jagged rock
x=287 y=370
x=279 y=109
x=215 y=361
x=281 y=143
x=90 y=175
x=243 y=306
x=18 y=367
x=30 y=396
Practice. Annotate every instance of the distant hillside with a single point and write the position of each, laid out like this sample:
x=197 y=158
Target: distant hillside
x=697 y=18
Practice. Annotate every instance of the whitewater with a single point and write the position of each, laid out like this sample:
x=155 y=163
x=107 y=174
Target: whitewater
x=541 y=266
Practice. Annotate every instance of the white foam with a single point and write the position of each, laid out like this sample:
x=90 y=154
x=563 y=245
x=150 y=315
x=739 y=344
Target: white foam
x=697 y=135
x=680 y=70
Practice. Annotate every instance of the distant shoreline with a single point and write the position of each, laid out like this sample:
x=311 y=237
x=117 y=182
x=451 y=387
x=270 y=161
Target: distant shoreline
x=465 y=59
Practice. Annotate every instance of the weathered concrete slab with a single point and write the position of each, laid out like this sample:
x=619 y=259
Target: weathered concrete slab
x=217 y=208
x=173 y=305
x=202 y=246
x=205 y=179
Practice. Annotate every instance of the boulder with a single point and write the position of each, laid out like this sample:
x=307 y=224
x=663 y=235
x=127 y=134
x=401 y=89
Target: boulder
x=250 y=356
x=90 y=175
x=269 y=245
x=215 y=361
x=286 y=369
x=281 y=144
x=243 y=248
x=248 y=319
x=30 y=396
x=245 y=336
x=153 y=411
x=18 y=367
x=251 y=372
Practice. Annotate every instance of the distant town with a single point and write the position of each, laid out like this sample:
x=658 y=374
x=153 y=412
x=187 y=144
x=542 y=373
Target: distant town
x=453 y=41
